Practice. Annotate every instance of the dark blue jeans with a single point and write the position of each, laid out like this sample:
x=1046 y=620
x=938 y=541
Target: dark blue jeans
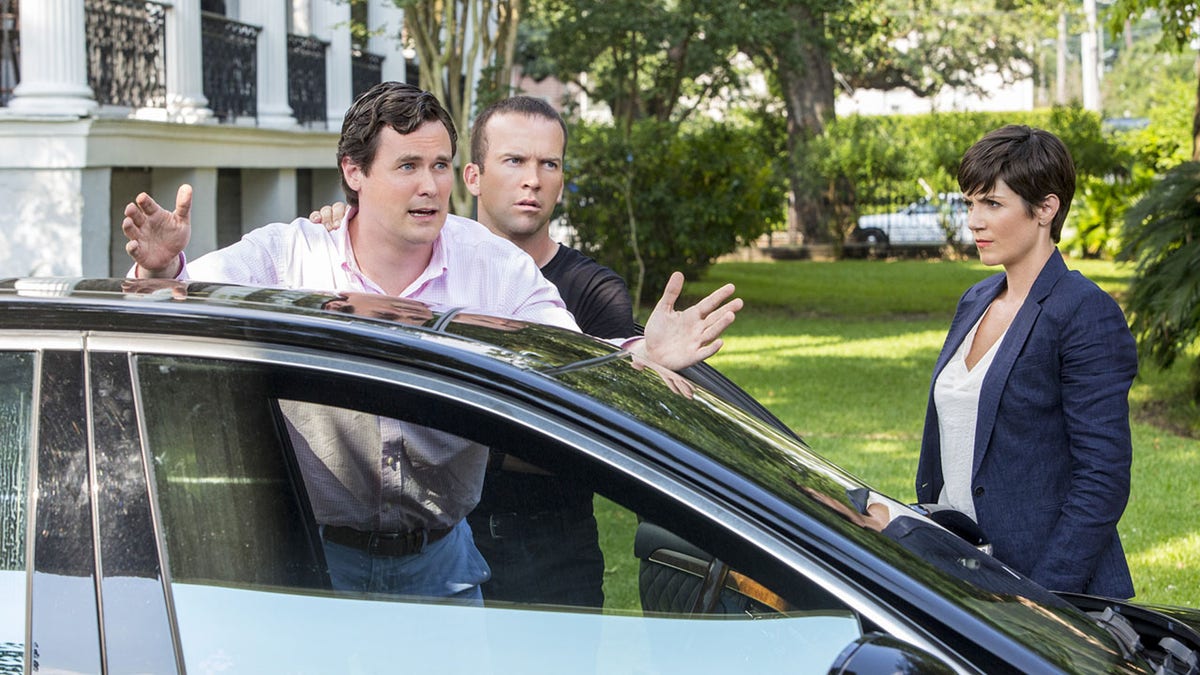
x=539 y=537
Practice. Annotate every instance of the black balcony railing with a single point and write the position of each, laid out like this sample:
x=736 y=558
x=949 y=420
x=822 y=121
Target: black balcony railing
x=229 y=56
x=366 y=71
x=306 y=78
x=126 y=46
x=10 y=50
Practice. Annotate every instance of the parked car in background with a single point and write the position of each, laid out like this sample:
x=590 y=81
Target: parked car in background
x=931 y=223
x=155 y=516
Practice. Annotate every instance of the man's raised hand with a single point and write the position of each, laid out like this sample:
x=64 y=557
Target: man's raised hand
x=157 y=236
x=677 y=339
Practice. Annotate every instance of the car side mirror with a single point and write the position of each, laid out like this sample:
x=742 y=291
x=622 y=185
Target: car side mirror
x=878 y=653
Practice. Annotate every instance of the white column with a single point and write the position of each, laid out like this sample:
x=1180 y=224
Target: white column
x=384 y=14
x=54 y=78
x=185 y=72
x=271 y=15
x=331 y=23
x=268 y=196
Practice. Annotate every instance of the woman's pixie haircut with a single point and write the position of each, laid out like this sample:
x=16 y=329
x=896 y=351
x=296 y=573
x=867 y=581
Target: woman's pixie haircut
x=1034 y=163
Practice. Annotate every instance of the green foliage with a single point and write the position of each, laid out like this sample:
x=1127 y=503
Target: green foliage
x=690 y=193
x=885 y=157
x=1144 y=77
x=925 y=46
x=1162 y=234
x=1177 y=17
x=656 y=59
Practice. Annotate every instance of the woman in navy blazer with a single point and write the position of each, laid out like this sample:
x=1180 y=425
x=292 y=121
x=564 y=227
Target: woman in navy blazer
x=1027 y=428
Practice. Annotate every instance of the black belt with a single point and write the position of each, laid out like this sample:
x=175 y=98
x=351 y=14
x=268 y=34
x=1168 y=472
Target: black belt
x=383 y=543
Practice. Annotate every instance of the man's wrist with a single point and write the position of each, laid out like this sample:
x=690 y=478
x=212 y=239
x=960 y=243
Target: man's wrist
x=171 y=271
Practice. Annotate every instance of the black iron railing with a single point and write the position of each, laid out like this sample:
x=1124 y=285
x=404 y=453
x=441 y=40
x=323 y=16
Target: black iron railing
x=366 y=71
x=229 y=55
x=126 y=46
x=306 y=78
x=10 y=50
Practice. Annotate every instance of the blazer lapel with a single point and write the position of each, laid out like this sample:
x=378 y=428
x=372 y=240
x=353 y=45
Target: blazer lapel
x=970 y=309
x=1013 y=342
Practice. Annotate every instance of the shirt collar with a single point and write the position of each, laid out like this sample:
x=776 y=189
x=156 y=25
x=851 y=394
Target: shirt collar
x=438 y=264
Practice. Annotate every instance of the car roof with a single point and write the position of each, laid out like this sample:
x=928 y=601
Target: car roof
x=295 y=317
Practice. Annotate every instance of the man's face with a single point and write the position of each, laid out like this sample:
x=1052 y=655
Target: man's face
x=405 y=193
x=520 y=179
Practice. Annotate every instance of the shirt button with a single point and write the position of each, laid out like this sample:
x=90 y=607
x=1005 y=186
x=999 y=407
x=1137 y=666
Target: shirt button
x=979 y=491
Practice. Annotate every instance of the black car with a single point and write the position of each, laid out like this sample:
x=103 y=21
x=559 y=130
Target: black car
x=153 y=515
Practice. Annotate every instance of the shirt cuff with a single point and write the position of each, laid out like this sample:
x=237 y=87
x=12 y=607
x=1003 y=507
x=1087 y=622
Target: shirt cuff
x=180 y=276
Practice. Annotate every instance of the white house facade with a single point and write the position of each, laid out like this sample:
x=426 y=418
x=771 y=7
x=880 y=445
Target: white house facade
x=103 y=99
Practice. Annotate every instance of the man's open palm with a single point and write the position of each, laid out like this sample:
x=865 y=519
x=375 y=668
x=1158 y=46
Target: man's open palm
x=677 y=339
x=157 y=236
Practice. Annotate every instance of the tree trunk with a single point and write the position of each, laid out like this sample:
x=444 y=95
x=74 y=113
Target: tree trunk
x=808 y=95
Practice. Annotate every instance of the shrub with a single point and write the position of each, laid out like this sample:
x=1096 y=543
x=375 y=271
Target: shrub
x=665 y=197
x=885 y=158
x=1162 y=233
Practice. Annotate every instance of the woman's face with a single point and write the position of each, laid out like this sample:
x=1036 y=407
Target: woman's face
x=1005 y=231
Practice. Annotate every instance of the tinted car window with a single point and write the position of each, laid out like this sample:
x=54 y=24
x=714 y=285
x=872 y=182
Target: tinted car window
x=243 y=554
x=233 y=508
x=16 y=411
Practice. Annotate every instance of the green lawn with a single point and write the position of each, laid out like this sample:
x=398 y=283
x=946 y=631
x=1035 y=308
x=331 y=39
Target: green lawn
x=843 y=351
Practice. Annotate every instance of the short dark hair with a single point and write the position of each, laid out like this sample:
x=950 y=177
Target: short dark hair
x=1034 y=163
x=399 y=105
x=519 y=105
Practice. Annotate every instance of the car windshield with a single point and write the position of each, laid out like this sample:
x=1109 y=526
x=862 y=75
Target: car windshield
x=787 y=467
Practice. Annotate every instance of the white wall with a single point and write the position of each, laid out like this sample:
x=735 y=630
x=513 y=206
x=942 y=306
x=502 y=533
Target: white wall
x=57 y=182
x=999 y=97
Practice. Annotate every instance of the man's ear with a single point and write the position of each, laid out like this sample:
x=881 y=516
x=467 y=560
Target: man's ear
x=471 y=172
x=352 y=173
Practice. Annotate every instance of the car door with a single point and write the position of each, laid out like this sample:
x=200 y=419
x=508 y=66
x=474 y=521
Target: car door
x=186 y=540
x=245 y=573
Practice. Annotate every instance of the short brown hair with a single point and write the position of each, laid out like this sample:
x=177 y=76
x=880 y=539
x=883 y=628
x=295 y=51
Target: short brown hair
x=518 y=105
x=401 y=106
x=1033 y=162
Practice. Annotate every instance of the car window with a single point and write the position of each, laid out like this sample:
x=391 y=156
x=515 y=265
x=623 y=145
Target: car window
x=16 y=413
x=232 y=507
x=243 y=502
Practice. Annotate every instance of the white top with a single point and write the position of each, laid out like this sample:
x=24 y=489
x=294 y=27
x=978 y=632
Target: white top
x=956 y=398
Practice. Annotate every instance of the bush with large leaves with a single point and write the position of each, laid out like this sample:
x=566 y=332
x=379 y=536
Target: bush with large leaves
x=1162 y=233
x=661 y=197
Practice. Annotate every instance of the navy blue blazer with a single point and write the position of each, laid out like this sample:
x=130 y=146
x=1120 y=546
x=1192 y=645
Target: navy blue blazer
x=1051 y=471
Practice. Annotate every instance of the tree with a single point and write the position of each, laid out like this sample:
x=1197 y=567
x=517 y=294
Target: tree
x=460 y=42
x=666 y=59
x=1179 y=33
x=661 y=60
x=808 y=45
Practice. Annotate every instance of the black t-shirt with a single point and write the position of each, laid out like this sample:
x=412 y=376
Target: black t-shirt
x=596 y=295
x=599 y=299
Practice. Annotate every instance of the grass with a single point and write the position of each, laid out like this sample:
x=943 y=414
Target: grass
x=843 y=352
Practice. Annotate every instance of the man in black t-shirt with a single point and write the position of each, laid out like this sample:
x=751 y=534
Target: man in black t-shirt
x=537 y=531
